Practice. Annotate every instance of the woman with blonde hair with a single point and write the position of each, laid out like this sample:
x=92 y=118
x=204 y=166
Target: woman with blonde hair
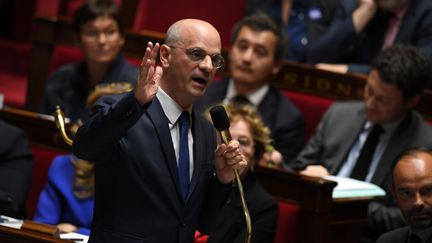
x=247 y=127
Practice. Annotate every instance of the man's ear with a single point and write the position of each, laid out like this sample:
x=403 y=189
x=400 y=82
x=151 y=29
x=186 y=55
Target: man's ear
x=165 y=55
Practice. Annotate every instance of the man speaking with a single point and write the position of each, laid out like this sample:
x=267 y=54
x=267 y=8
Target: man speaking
x=159 y=175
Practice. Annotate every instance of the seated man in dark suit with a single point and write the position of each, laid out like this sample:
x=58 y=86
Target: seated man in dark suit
x=256 y=54
x=360 y=139
x=362 y=28
x=411 y=186
x=16 y=163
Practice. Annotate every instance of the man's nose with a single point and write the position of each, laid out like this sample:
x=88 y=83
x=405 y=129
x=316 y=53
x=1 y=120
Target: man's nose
x=206 y=64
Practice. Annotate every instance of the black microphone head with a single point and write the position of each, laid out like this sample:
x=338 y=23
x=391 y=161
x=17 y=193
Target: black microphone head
x=220 y=118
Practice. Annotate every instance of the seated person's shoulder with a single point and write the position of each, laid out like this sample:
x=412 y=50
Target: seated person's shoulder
x=393 y=236
x=346 y=106
x=10 y=132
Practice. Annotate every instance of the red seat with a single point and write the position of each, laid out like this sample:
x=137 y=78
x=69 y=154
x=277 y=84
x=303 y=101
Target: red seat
x=312 y=107
x=63 y=55
x=13 y=71
x=222 y=14
x=14 y=88
x=286 y=231
x=42 y=161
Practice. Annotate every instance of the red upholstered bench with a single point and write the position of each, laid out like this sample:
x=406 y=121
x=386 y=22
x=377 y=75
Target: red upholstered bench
x=42 y=161
x=14 y=88
x=312 y=107
x=222 y=14
x=63 y=55
x=286 y=231
x=13 y=71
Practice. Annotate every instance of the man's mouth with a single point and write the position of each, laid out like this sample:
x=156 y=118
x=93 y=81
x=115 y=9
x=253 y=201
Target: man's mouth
x=245 y=68
x=200 y=80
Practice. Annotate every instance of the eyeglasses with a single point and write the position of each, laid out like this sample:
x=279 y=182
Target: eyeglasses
x=197 y=54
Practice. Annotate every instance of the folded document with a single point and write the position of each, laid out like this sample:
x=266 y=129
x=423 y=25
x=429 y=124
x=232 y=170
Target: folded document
x=349 y=188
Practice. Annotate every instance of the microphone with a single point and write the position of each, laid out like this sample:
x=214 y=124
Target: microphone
x=222 y=123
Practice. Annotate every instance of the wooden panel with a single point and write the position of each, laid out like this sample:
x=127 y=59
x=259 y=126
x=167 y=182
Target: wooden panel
x=307 y=79
x=321 y=219
x=319 y=213
x=40 y=130
x=11 y=235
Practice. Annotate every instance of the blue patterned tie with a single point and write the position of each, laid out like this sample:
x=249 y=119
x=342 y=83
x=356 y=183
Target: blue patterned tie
x=183 y=165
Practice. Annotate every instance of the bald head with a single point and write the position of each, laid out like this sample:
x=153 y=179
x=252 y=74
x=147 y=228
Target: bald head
x=412 y=187
x=191 y=29
x=189 y=58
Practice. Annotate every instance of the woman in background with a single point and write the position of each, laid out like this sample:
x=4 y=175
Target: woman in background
x=100 y=35
x=247 y=127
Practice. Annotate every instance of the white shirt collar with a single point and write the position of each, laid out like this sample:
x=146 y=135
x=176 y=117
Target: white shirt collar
x=388 y=128
x=171 y=109
x=254 y=97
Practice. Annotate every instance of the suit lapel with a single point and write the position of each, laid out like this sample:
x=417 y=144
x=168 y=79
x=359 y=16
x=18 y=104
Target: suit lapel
x=199 y=137
x=269 y=100
x=355 y=127
x=397 y=142
x=160 y=123
x=407 y=24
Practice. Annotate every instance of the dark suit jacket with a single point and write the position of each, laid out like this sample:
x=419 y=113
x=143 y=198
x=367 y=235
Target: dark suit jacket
x=341 y=43
x=137 y=195
x=285 y=121
x=16 y=164
x=263 y=210
x=400 y=235
x=396 y=236
x=332 y=141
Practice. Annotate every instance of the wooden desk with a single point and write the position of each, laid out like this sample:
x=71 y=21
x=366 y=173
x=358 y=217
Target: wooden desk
x=23 y=235
x=41 y=131
x=305 y=78
x=322 y=219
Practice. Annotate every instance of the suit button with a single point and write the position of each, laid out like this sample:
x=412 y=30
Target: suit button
x=183 y=225
x=129 y=113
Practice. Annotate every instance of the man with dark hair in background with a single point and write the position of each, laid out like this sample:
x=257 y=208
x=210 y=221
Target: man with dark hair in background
x=255 y=57
x=359 y=139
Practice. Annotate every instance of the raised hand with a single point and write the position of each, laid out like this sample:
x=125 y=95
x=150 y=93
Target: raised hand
x=149 y=75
